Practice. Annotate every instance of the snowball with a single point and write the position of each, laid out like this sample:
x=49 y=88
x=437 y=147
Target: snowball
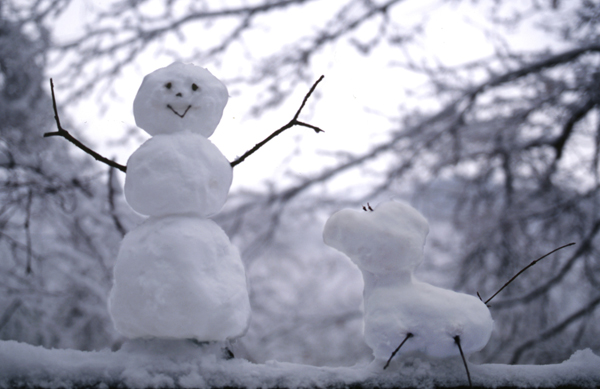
x=389 y=239
x=179 y=277
x=180 y=97
x=387 y=245
x=179 y=173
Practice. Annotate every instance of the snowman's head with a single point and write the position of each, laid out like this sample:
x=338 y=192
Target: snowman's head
x=386 y=240
x=180 y=97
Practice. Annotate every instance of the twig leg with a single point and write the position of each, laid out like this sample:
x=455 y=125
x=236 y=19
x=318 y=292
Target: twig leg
x=457 y=341
x=409 y=335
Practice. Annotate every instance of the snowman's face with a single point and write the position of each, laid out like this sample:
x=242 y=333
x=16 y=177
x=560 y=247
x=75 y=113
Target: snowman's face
x=180 y=97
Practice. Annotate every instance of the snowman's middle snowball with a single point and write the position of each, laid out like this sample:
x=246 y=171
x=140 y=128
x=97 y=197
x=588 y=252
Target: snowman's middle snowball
x=176 y=174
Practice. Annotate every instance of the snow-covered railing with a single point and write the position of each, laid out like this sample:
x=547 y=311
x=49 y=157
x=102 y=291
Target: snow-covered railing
x=183 y=364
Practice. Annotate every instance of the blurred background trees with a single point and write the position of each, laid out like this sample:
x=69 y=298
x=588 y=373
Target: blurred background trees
x=498 y=148
x=57 y=232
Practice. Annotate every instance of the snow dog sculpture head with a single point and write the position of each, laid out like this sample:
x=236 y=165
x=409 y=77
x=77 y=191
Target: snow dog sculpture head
x=386 y=241
x=180 y=97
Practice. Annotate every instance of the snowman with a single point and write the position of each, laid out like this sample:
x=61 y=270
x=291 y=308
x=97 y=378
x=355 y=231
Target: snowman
x=177 y=275
x=387 y=246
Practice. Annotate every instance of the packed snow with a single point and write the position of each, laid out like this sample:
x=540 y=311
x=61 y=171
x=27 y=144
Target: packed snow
x=180 y=363
x=387 y=246
x=179 y=173
x=177 y=276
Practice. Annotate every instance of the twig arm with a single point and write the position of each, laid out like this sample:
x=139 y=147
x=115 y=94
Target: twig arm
x=310 y=92
x=65 y=134
x=291 y=123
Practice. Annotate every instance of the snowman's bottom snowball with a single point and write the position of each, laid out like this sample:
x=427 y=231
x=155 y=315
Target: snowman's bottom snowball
x=179 y=277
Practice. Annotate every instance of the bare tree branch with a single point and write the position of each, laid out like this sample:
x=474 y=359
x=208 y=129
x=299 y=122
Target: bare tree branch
x=576 y=115
x=532 y=68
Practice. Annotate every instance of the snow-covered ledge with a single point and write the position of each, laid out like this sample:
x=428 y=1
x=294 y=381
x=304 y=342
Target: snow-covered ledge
x=162 y=364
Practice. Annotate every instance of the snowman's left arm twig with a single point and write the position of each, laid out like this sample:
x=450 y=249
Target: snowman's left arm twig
x=65 y=134
x=291 y=123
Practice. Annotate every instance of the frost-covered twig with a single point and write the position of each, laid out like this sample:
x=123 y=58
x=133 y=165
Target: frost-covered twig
x=291 y=123
x=65 y=134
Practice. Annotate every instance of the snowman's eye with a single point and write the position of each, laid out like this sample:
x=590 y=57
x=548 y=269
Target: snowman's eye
x=168 y=85
x=195 y=87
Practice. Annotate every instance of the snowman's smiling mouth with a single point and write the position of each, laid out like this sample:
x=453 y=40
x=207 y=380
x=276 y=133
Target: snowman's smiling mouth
x=181 y=115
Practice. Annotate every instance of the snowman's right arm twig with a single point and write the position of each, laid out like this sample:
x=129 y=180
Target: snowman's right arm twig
x=65 y=134
x=291 y=123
